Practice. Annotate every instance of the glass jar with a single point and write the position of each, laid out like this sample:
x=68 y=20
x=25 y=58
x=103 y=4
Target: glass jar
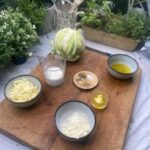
x=54 y=69
x=66 y=14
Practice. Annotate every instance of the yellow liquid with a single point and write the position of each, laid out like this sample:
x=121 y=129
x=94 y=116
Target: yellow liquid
x=122 y=68
x=99 y=102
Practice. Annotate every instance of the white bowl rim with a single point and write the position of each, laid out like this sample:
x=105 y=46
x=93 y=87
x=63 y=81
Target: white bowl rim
x=70 y=138
x=24 y=75
x=109 y=64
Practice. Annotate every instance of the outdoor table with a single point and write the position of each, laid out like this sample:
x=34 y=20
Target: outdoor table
x=138 y=131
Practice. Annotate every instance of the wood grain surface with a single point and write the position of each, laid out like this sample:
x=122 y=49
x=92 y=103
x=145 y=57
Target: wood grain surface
x=35 y=126
x=113 y=40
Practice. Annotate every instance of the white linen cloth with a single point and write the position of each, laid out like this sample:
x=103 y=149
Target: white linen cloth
x=138 y=134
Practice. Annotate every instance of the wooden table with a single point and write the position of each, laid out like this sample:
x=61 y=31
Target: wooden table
x=35 y=126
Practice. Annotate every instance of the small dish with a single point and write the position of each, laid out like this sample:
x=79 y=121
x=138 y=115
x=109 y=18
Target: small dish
x=127 y=66
x=73 y=118
x=18 y=102
x=85 y=80
x=99 y=100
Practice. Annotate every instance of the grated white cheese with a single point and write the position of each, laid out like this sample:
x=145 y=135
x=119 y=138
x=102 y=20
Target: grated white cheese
x=76 y=125
x=23 y=90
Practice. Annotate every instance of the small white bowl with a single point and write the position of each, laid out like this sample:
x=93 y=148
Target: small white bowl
x=30 y=102
x=70 y=107
x=124 y=59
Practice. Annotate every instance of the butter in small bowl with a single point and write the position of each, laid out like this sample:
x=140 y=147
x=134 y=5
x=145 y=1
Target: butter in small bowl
x=99 y=100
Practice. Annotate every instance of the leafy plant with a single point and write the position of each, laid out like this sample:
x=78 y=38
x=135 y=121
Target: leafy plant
x=34 y=11
x=44 y=2
x=147 y=28
x=133 y=24
x=5 y=54
x=91 y=19
x=17 y=34
x=6 y=3
x=120 y=6
x=97 y=15
x=88 y=6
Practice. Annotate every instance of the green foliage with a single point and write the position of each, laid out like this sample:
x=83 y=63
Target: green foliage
x=17 y=28
x=131 y=25
x=44 y=2
x=91 y=19
x=5 y=54
x=147 y=29
x=102 y=7
x=32 y=10
x=7 y=3
x=100 y=16
x=17 y=34
x=97 y=15
x=120 y=6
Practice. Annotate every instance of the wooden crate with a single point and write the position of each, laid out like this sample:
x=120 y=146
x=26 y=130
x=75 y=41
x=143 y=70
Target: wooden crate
x=102 y=37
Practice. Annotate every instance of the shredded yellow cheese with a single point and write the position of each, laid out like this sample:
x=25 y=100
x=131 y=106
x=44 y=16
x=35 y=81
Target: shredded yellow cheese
x=23 y=90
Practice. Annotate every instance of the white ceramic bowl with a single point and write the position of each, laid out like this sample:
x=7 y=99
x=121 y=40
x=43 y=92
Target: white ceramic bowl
x=70 y=107
x=28 y=103
x=124 y=59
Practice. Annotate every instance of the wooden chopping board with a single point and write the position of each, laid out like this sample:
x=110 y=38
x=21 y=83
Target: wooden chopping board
x=35 y=126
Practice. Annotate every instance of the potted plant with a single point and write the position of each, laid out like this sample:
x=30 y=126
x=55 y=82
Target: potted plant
x=17 y=34
x=40 y=12
x=34 y=10
x=124 y=31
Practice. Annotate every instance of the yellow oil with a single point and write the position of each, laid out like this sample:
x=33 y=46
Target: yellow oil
x=99 y=101
x=122 y=68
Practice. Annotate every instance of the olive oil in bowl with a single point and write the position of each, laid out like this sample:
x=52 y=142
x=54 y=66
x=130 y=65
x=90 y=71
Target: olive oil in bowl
x=122 y=68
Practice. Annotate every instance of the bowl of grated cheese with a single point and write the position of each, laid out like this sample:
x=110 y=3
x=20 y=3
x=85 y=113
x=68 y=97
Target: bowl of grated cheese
x=75 y=120
x=23 y=90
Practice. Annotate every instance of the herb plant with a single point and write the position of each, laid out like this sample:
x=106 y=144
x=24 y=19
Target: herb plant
x=17 y=34
x=131 y=25
x=98 y=15
x=120 y=6
x=101 y=16
x=32 y=10
x=7 y=3
x=46 y=3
